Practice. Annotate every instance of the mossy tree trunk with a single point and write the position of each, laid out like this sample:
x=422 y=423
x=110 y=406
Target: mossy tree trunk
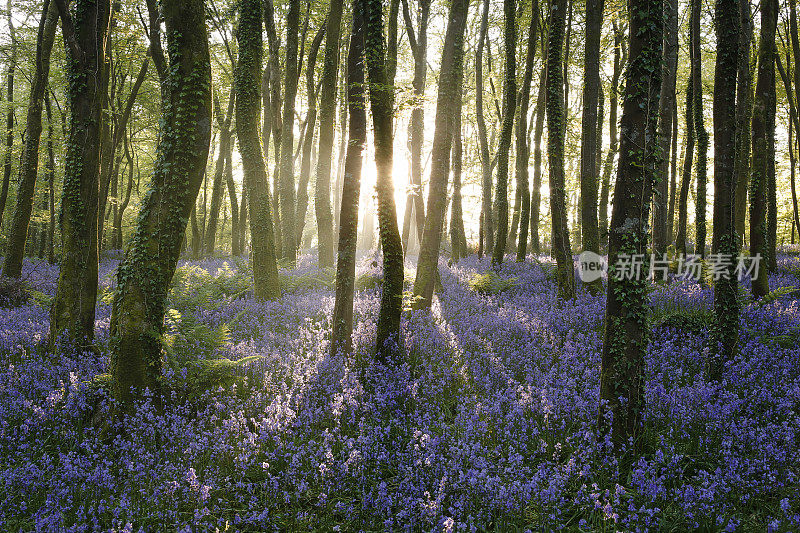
x=669 y=71
x=451 y=77
x=700 y=129
x=744 y=116
x=308 y=138
x=50 y=167
x=686 y=173
x=276 y=122
x=85 y=33
x=29 y=167
x=523 y=137
x=287 y=191
x=555 y=150
x=12 y=65
x=225 y=135
x=381 y=97
x=509 y=110
x=327 y=115
x=236 y=225
x=247 y=84
x=538 y=130
x=418 y=41
x=590 y=134
x=487 y=222
x=625 y=337
x=342 y=337
x=763 y=122
x=143 y=278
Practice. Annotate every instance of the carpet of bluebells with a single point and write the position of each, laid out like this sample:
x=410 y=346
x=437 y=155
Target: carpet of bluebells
x=488 y=422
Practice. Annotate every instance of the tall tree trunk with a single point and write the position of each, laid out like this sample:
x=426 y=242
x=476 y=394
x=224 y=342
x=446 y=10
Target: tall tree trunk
x=15 y=250
x=287 y=192
x=51 y=188
x=555 y=150
x=308 y=141
x=523 y=137
x=625 y=337
x=342 y=337
x=381 y=96
x=12 y=65
x=673 y=174
x=744 y=116
x=794 y=125
x=590 y=136
x=451 y=76
x=538 y=130
x=700 y=130
x=613 y=146
x=225 y=135
x=509 y=105
x=236 y=224
x=248 y=104
x=686 y=174
x=327 y=115
x=667 y=103
x=763 y=122
x=143 y=278
x=416 y=133
x=120 y=213
x=243 y=219
x=487 y=242
x=726 y=288
x=276 y=122
x=458 y=238
x=85 y=33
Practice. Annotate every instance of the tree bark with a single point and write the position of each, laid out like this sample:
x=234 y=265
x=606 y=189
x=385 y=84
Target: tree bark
x=236 y=224
x=625 y=337
x=590 y=135
x=308 y=141
x=327 y=115
x=686 y=175
x=744 y=116
x=15 y=250
x=458 y=238
x=342 y=337
x=762 y=129
x=73 y=311
x=248 y=104
x=144 y=276
x=700 y=130
x=225 y=135
x=613 y=147
x=667 y=103
x=12 y=65
x=538 y=130
x=555 y=150
x=487 y=242
x=726 y=288
x=451 y=75
x=381 y=96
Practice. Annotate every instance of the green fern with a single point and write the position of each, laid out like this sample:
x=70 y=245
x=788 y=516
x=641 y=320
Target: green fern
x=774 y=295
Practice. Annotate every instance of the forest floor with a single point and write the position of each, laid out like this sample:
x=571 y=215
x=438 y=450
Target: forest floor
x=488 y=422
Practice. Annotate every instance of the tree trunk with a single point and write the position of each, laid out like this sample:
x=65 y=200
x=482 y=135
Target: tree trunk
x=15 y=250
x=451 y=76
x=248 y=104
x=327 y=115
x=673 y=174
x=503 y=149
x=243 y=219
x=73 y=310
x=590 y=135
x=308 y=141
x=744 y=116
x=381 y=104
x=225 y=135
x=12 y=65
x=625 y=338
x=458 y=238
x=287 y=191
x=538 y=130
x=276 y=122
x=613 y=147
x=419 y=47
x=763 y=110
x=144 y=276
x=523 y=137
x=686 y=175
x=51 y=189
x=726 y=288
x=236 y=223
x=700 y=130
x=487 y=242
x=555 y=150
x=120 y=213
x=667 y=103
x=342 y=337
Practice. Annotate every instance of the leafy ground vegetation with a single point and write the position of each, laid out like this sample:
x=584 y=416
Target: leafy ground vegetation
x=486 y=423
